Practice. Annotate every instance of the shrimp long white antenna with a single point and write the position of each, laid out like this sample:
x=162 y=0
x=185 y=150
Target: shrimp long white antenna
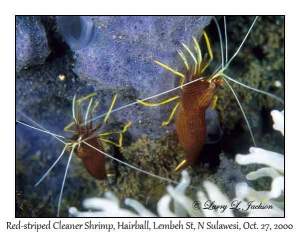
x=41 y=130
x=239 y=48
x=64 y=179
x=221 y=72
x=225 y=35
x=221 y=41
x=224 y=68
x=87 y=111
x=53 y=165
x=245 y=117
x=73 y=108
x=254 y=89
x=41 y=127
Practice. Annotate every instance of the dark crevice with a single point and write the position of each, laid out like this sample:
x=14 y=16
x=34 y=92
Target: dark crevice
x=57 y=46
x=259 y=53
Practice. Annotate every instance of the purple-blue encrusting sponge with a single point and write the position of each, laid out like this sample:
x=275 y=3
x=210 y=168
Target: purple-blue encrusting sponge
x=31 y=42
x=118 y=53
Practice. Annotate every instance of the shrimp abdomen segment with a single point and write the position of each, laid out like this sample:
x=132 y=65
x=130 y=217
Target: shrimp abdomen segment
x=190 y=120
x=191 y=131
x=93 y=160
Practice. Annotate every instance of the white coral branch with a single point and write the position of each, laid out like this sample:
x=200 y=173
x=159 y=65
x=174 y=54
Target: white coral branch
x=261 y=156
x=275 y=161
x=278 y=118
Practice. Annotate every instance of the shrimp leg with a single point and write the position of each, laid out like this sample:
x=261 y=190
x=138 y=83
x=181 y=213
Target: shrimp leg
x=209 y=52
x=158 y=104
x=120 y=143
x=165 y=123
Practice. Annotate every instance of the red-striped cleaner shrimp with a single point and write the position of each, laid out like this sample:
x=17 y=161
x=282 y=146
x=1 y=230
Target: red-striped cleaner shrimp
x=134 y=159
x=191 y=106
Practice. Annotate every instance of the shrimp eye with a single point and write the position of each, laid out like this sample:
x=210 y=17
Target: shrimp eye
x=216 y=83
x=212 y=84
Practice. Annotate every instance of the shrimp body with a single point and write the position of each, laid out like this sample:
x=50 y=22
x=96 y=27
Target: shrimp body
x=193 y=102
x=190 y=119
x=88 y=145
x=93 y=160
x=84 y=141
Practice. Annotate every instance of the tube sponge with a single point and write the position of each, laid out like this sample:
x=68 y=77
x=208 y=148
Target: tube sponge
x=77 y=31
